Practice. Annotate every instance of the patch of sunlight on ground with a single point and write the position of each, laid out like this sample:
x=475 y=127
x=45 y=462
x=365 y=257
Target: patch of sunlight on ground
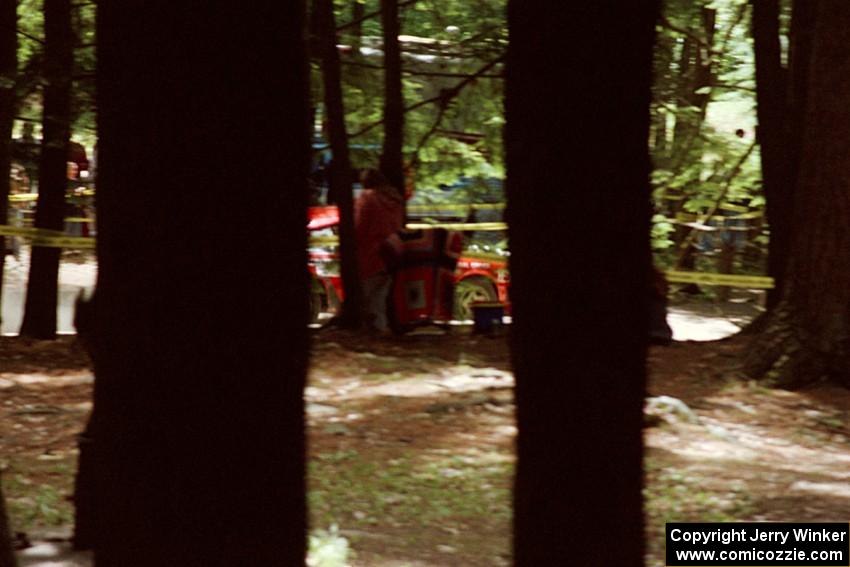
x=690 y=326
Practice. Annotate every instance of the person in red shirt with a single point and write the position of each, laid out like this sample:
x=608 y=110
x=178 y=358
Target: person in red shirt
x=378 y=213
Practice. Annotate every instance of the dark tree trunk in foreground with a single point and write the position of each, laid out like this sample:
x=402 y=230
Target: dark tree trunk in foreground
x=771 y=96
x=200 y=340
x=780 y=94
x=43 y=284
x=807 y=336
x=340 y=171
x=577 y=104
x=8 y=80
x=392 y=161
x=7 y=550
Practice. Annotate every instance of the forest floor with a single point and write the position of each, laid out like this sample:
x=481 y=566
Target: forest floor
x=411 y=447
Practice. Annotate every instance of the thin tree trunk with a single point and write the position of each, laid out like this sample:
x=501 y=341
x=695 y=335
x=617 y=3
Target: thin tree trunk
x=697 y=74
x=806 y=336
x=392 y=161
x=8 y=80
x=42 y=286
x=579 y=360
x=340 y=171
x=200 y=315
x=358 y=10
x=682 y=127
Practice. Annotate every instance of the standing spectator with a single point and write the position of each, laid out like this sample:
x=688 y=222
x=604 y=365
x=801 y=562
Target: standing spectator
x=378 y=214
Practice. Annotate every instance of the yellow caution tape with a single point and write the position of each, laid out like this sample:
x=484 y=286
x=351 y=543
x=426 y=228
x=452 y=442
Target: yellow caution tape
x=459 y=225
x=29 y=232
x=485 y=256
x=78 y=219
x=457 y=207
x=732 y=280
x=64 y=242
x=23 y=197
x=333 y=240
x=47 y=237
x=30 y=197
x=330 y=240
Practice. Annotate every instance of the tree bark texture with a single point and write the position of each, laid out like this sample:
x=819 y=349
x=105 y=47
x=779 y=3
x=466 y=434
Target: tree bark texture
x=392 y=160
x=772 y=96
x=577 y=108
x=808 y=337
x=340 y=177
x=781 y=97
x=199 y=336
x=8 y=80
x=43 y=284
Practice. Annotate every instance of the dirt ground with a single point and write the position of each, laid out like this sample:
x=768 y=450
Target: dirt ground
x=411 y=446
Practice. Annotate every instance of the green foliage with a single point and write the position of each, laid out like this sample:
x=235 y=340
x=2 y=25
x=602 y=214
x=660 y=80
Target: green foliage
x=696 y=147
x=463 y=137
x=662 y=228
x=83 y=93
x=34 y=505
x=30 y=72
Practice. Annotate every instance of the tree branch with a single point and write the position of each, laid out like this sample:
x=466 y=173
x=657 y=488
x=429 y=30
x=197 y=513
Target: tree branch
x=30 y=37
x=369 y=16
x=450 y=93
x=733 y=173
x=414 y=160
x=665 y=23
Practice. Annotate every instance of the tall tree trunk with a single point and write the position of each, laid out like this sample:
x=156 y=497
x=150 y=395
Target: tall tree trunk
x=7 y=548
x=42 y=286
x=771 y=97
x=781 y=96
x=200 y=313
x=8 y=80
x=577 y=103
x=807 y=336
x=697 y=61
x=392 y=161
x=682 y=127
x=358 y=10
x=340 y=171
x=797 y=88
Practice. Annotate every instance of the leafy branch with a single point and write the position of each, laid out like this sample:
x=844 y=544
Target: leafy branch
x=445 y=96
x=369 y=16
x=730 y=177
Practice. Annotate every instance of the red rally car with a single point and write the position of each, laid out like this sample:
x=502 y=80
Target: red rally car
x=479 y=276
